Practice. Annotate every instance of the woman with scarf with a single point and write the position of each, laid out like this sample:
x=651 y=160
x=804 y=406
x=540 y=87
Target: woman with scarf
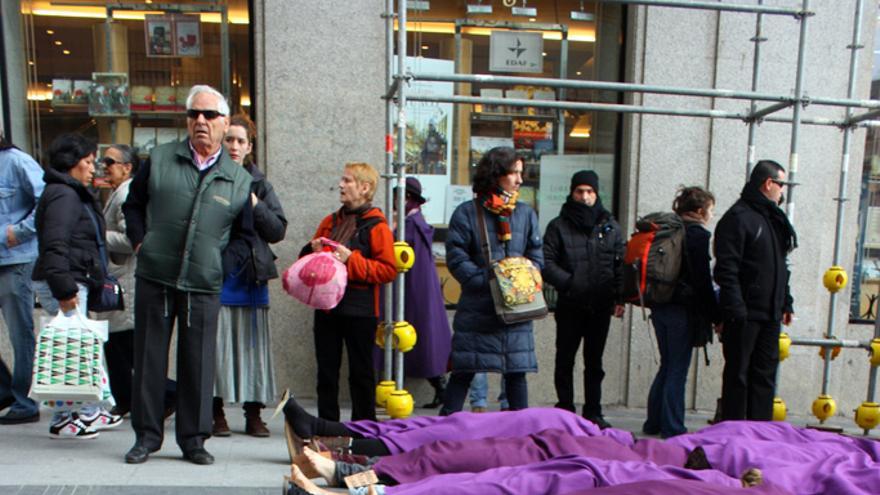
x=583 y=249
x=244 y=344
x=691 y=313
x=363 y=242
x=482 y=342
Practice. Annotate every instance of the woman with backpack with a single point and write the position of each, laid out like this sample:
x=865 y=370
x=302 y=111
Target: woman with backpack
x=690 y=314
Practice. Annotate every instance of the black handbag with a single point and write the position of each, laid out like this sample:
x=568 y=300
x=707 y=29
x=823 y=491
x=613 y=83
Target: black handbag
x=109 y=295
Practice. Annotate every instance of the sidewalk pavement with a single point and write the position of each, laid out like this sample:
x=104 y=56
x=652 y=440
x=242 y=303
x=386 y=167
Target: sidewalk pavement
x=33 y=464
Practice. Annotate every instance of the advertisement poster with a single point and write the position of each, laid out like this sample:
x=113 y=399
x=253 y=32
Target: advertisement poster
x=159 y=33
x=556 y=172
x=516 y=51
x=177 y=35
x=188 y=33
x=428 y=135
x=109 y=95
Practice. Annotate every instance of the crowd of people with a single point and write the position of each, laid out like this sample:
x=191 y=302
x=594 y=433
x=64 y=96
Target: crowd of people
x=188 y=235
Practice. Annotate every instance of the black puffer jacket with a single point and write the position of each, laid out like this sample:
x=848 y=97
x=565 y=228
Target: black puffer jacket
x=68 y=245
x=270 y=226
x=584 y=267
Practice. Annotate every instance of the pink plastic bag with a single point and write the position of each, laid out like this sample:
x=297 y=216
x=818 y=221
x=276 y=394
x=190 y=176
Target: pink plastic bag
x=317 y=280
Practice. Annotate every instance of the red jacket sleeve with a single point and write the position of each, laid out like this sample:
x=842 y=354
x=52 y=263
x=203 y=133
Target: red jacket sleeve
x=380 y=267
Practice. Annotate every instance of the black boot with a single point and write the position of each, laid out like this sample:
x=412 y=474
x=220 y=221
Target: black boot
x=439 y=384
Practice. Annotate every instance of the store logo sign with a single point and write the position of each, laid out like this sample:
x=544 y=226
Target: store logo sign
x=516 y=51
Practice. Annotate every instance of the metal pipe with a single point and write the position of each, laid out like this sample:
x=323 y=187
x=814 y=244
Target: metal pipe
x=392 y=88
x=401 y=172
x=829 y=344
x=762 y=9
x=640 y=88
x=864 y=116
x=388 y=352
x=225 y=78
x=796 y=113
x=756 y=72
x=758 y=115
x=612 y=107
x=872 y=375
x=560 y=114
x=844 y=172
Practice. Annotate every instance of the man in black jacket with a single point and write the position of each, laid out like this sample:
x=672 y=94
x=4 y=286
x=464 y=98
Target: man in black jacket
x=583 y=252
x=752 y=241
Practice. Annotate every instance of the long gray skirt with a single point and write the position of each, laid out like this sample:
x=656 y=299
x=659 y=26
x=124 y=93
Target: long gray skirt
x=244 y=356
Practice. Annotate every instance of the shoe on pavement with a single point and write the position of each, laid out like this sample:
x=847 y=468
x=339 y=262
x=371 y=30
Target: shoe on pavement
x=101 y=420
x=120 y=411
x=6 y=402
x=18 y=418
x=199 y=456
x=70 y=427
x=220 y=427
x=599 y=421
x=138 y=454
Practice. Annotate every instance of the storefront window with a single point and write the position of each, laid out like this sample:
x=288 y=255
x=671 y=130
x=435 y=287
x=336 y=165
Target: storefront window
x=126 y=80
x=445 y=141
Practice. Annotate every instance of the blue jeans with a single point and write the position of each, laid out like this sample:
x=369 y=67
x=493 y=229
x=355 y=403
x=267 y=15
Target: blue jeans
x=514 y=384
x=666 y=398
x=17 y=304
x=479 y=392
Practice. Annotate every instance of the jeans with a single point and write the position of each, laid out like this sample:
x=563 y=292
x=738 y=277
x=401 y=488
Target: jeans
x=479 y=392
x=514 y=383
x=51 y=307
x=17 y=305
x=666 y=398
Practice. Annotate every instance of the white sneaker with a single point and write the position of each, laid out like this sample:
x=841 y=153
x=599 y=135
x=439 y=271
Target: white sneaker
x=101 y=419
x=70 y=427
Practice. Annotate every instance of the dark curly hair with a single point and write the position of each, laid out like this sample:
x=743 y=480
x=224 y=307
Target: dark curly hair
x=496 y=163
x=68 y=149
x=692 y=199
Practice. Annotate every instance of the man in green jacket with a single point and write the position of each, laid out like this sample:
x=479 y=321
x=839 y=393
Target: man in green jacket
x=182 y=206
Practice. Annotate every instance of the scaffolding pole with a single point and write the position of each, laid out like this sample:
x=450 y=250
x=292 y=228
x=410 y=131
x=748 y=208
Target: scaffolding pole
x=390 y=81
x=401 y=177
x=796 y=113
x=724 y=7
x=756 y=72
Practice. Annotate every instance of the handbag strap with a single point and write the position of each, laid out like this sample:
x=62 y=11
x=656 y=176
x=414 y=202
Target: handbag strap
x=483 y=235
x=101 y=250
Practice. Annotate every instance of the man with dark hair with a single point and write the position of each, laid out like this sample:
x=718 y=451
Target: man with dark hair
x=21 y=184
x=583 y=251
x=752 y=242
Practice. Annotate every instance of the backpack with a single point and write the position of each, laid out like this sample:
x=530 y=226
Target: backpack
x=653 y=260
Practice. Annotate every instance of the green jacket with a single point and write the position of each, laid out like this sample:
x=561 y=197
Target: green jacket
x=189 y=218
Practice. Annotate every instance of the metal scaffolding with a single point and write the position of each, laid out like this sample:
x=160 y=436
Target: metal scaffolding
x=397 y=95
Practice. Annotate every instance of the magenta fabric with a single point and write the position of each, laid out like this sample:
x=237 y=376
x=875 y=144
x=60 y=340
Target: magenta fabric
x=403 y=435
x=317 y=280
x=479 y=455
x=556 y=476
x=800 y=460
x=679 y=487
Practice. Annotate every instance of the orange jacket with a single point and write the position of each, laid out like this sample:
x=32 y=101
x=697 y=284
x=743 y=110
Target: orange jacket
x=380 y=267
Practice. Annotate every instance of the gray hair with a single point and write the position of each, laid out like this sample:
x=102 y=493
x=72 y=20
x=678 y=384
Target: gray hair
x=222 y=106
x=128 y=155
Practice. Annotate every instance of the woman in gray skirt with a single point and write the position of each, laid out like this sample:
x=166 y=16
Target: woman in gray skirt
x=244 y=351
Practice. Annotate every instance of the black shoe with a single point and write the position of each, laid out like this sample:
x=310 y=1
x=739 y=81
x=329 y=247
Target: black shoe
x=6 y=402
x=199 y=455
x=120 y=411
x=16 y=418
x=138 y=454
x=599 y=421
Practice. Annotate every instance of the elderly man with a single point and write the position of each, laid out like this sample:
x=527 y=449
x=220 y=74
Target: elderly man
x=21 y=184
x=752 y=241
x=180 y=210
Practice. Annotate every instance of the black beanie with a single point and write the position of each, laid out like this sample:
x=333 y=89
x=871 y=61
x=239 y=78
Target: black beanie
x=584 y=177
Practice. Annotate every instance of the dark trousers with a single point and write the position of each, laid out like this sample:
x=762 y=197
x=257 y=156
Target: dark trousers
x=572 y=325
x=119 y=352
x=357 y=333
x=666 y=399
x=155 y=310
x=751 y=355
x=515 y=386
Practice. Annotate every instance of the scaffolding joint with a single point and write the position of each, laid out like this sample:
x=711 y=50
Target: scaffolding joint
x=758 y=39
x=385 y=15
x=854 y=47
x=803 y=14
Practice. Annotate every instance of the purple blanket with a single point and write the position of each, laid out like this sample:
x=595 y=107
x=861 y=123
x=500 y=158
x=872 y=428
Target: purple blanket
x=677 y=487
x=472 y=456
x=800 y=460
x=561 y=475
x=403 y=435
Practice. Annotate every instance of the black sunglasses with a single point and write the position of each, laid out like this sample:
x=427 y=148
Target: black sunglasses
x=779 y=183
x=209 y=114
x=107 y=161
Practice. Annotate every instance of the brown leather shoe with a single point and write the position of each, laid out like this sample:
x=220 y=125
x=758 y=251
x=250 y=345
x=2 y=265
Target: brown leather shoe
x=255 y=427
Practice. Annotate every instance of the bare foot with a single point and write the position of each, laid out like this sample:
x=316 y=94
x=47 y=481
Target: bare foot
x=300 y=480
x=325 y=467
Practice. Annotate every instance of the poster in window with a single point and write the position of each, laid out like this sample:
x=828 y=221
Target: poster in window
x=159 y=32
x=108 y=95
x=188 y=36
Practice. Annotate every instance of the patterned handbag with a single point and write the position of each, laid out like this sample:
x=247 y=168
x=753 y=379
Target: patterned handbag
x=515 y=282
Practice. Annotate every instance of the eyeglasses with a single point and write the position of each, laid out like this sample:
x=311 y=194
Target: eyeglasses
x=779 y=183
x=194 y=113
x=107 y=161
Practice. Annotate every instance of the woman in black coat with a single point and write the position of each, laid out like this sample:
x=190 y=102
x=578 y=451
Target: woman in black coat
x=691 y=312
x=69 y=222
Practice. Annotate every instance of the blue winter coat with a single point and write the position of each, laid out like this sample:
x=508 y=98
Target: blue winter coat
x=482 y=342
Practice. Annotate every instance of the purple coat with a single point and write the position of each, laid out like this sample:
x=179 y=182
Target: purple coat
x=424 y=306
